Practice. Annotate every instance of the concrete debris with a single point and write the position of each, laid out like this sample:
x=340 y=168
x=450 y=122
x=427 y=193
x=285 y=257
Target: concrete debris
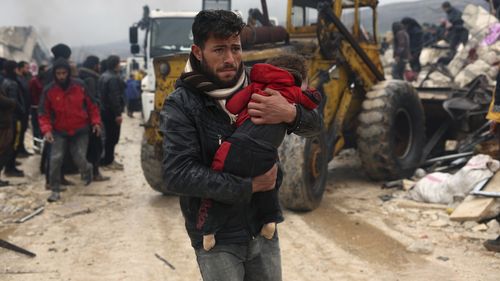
x=480 y=227
x=421 y=247
x=471 y=60
x=493 y=227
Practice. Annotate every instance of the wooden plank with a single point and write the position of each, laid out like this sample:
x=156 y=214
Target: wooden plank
x=476 y=208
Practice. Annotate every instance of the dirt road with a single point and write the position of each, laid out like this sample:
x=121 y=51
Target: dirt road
x=116 y=230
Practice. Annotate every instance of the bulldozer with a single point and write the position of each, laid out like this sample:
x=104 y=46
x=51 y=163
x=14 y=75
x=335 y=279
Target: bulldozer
x=384 y=119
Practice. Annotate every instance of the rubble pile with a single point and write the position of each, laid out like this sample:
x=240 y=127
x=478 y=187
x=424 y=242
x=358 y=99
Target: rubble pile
x=477 y=57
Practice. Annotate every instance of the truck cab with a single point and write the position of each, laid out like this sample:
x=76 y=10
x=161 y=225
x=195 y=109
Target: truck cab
x=164 y=33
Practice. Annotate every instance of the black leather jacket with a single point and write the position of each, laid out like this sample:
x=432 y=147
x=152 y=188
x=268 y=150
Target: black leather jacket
x=193 y=126
x=111 y=92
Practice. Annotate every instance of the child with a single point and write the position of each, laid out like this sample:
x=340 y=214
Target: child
x=252 y=149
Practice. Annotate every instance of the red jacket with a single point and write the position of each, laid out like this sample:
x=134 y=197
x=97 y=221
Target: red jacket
x=268 y=76
x=67 y=111
x=36 y=88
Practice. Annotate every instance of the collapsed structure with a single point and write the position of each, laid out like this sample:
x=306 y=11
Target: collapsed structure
x=23 y=43
x=477 y=57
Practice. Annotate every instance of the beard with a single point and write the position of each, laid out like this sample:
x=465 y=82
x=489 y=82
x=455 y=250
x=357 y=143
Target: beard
x=205 y=69
x=64 y=84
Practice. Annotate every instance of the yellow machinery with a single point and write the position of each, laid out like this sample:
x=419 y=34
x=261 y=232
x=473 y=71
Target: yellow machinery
x=383 y=119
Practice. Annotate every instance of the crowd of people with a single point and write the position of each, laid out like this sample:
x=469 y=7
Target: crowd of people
x=74 y=111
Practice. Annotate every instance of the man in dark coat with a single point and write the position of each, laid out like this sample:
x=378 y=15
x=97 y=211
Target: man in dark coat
x=457 y=33
x=194 y=122
x=89 y=73
x=111 y=89
x=12 y=88
x=24 y=77
x=401 y=50
x=7 y=106
x=416 y=34
x=36 y=88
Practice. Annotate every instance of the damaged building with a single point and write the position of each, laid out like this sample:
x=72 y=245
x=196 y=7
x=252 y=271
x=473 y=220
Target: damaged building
x=23 y=43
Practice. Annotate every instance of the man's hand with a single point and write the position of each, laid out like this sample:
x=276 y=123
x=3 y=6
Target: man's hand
x=265 y=182
x=119 y=120
x=272 y=109
x=493 y=127
x=97 y=130
x=49 y=137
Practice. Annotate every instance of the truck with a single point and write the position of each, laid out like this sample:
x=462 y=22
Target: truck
x=165 y=32
x=394 y=126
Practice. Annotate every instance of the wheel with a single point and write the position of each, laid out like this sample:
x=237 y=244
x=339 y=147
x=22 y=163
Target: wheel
x=304 y=162
x=391 y=133
x=151 y=164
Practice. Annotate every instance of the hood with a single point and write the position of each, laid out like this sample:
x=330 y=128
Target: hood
x=267 y=74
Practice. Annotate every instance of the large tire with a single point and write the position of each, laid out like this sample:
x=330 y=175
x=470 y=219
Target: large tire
x=304 y=162
x=151 y=164
x=391 y=133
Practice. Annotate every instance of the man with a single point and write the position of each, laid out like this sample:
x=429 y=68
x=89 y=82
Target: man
x=111 y=89
x=36 y=88
x=12 y=89
x=194 y=123
x=401 y=50
x=66 y=112
x=133 y=95
x=415 y=34
x=89 y=73
x=7 y=106
x=24 y=76
x=457 y=33
x=59 y=51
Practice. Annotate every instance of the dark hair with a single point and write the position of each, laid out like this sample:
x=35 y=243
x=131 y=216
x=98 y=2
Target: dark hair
x=291 y=63
x=61 y=50
x=91 y=62
x=112 y=62
x=21 y=64
x=42 y=69
x=446 y=4
x=10 y=69
x=218 y=23
x=103 y=66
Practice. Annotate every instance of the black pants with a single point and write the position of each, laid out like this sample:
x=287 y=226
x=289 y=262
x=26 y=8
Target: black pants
x=94 y=152
x=250 y=151
x=415 y=61
x=6 y=148
x=16 y=129
x=112 y=135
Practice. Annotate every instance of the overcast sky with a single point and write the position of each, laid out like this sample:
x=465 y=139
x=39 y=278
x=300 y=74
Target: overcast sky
x=91 y=22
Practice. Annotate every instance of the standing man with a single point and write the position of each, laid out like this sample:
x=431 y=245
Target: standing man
x=7 y=106
x=89 y=73
x=66 y=113
x=416 y=35
x=24 y=77
x=111 y=88
x=401 y=50
x=36 y=88
x=12 y=89
x=194 y=122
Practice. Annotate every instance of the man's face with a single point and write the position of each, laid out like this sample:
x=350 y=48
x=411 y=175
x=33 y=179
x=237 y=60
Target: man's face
x=26 y=69
x=221 y=59
x=61 y=75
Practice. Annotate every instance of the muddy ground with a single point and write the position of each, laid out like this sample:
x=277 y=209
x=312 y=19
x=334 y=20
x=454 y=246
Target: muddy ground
x=116 y=230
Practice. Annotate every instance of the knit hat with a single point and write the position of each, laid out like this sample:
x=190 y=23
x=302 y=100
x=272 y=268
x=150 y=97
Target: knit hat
x=61 y=51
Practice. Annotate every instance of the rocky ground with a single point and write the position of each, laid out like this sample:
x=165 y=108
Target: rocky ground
x=116 y=230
